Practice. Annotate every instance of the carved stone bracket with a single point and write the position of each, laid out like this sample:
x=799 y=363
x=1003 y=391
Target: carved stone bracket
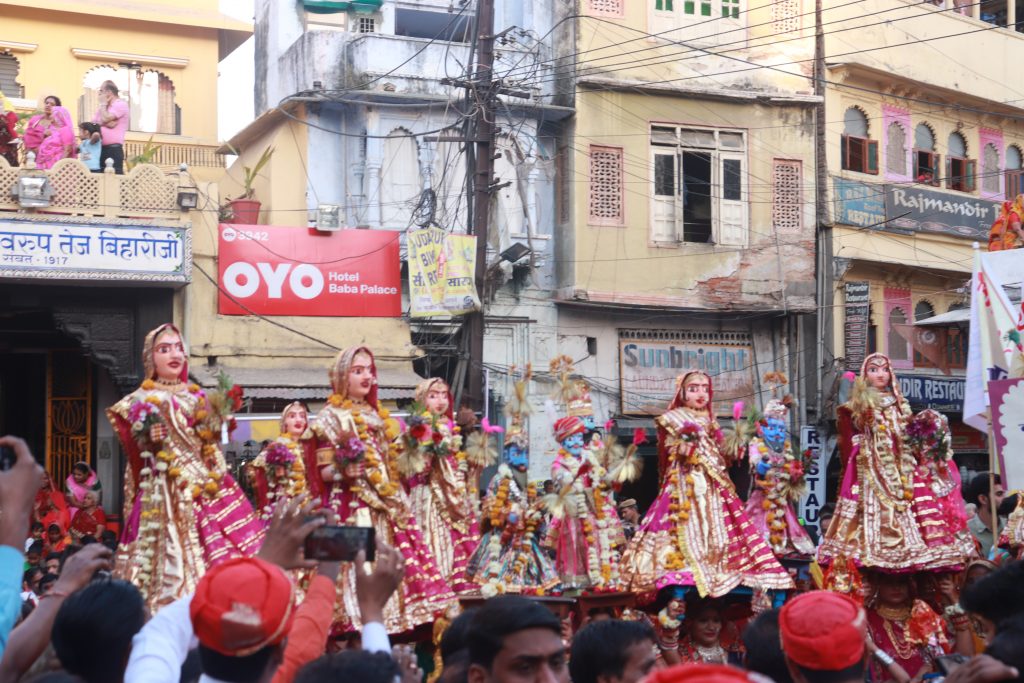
x=107 y=336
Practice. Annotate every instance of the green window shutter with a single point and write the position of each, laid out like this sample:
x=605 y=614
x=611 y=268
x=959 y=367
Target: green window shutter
x=872 y=156
x=970 y=182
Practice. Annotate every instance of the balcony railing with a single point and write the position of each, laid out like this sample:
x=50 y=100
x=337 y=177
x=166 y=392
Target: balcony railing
x=144 y=192
x=171 y=155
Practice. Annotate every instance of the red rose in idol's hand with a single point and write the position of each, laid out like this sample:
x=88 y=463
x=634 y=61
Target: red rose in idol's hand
x=419 y=431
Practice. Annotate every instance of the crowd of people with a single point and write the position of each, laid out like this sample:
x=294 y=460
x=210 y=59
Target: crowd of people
x=52 y=135
x=555 y=580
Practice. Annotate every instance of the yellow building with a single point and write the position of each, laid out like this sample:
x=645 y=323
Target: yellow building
x=924 y=140
x=162 y=54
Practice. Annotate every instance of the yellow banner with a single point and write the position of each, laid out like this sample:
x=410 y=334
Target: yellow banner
x=459 y=271
x=426 y=272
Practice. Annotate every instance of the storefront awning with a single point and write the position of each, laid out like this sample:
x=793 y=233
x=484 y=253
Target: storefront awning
x=960 y=315
x=397 y=380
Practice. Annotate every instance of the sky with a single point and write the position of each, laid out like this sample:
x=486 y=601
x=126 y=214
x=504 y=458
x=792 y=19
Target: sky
x=235 y=80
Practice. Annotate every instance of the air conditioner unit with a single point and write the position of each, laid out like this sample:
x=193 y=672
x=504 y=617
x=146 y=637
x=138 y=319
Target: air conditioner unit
x=328 y=218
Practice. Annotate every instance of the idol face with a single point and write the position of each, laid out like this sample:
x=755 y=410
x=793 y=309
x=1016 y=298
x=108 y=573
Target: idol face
x=573 y=444
x=774 y=431
x=697 y=392
x=360 y=376
x=879 y=375
x=589 y=423
x=169 y=356
x=517 y=457
x=295 y=422
x=437 y=399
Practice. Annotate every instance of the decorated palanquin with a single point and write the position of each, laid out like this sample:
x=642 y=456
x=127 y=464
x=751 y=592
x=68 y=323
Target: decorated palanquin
x=442 y=480
x=877 y=523
x=355 y=474
x=696 y=533
x=183 y=510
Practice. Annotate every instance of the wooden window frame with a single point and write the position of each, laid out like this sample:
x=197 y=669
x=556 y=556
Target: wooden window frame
x=866 y=148
x=965 y=181
x=936 y=161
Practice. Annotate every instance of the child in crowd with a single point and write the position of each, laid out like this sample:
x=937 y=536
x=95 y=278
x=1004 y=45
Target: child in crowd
x=89 y=149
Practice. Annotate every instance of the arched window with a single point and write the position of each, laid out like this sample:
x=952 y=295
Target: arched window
x=855 y=123
x=923 y=310
x=149 y=94
x=508 y=210
x=960 y=170
x=896 y=149
x=858 y=152
x=990 y=169
x=898 y=346
x=448 y=180
x=9 y=68
x=926 y=161
x=1014 y=174
x=400 y=184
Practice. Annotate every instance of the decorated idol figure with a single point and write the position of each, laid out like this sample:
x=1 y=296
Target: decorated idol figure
x=183 y=511
x=509 y=558
x=442 y=481
x=355 y=475
x=874 y=524
x=279 y=471
x=778 y=482
x=585 y=530
x=696 y=533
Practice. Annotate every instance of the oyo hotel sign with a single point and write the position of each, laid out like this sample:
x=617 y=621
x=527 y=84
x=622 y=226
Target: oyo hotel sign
x=85 y=250
x=277 y=270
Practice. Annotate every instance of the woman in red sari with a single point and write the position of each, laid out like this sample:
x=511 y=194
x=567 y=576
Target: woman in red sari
x=89 y=519
x=906 y=629
x=51 y=507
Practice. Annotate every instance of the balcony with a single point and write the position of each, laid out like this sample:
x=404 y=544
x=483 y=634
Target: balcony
x=145 y=192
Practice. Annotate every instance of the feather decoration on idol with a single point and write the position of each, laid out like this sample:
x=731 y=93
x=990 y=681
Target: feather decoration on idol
x=629 y=467
x=562 y=367
x=480 y=449
x=518 y=404
x=864 y=402
x=223 y=402
x=744 y=429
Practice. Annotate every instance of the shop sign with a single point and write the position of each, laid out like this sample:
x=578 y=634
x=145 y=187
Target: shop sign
x=858 y=323
x=859 y=204
x=967 y=439
x=945 y=394
x=276 y=270
x=811 y=504
x=915 y=208
x=648 y=368
x=94 y=251
x=442 y=270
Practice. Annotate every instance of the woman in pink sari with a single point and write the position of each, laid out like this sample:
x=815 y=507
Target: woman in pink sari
x=50 y=135
x=183 y=511
x=81 y=481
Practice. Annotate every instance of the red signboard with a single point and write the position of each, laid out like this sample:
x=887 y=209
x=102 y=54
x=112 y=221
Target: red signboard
x=274 y=270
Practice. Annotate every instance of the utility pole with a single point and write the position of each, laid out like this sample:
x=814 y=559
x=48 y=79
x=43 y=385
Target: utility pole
x=483 y=171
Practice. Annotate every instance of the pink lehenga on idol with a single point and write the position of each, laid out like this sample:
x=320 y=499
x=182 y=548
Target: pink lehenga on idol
x=442 y=482
x=279 y=471
x=355 y=474
x=778 y=479
x=183 y=511
x=696 y=532
x=875 y=523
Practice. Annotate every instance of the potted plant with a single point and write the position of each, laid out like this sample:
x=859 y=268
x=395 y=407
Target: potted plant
x=245 y=209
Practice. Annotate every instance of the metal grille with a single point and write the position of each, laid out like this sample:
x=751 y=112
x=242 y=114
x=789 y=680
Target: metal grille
x=9 y=76
x=785 y=16
x=608 y=8
x=786 y=209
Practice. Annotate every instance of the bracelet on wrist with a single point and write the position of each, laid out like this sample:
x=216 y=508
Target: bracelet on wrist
x=884 y=657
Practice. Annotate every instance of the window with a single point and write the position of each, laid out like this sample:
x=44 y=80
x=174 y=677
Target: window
x=896 y=149
x=367 y=25
x=400 y=184
x=990 y=169
x=926 y=161
x=785 y=16
x=508 y=211
x=606 y=186
x=448 y=182
x=9 y=68
x=858 y=152
x=960 y=171
x=1014 y=172
x=923 y=310
x=149 y=94
x=416 y=23
x=703 y=21
x=786 y=209
x=699 y=189
x=899 y=348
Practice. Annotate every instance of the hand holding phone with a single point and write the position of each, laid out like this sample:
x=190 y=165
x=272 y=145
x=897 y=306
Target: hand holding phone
x=340 y=543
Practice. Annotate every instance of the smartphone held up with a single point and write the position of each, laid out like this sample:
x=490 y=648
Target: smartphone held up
x=340 y=543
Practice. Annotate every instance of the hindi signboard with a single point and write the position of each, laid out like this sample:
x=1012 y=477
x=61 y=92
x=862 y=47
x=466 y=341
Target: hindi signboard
x=858 y=323
x=426 y=272
x=650 y=361
x=276 y=270
x=94 y=251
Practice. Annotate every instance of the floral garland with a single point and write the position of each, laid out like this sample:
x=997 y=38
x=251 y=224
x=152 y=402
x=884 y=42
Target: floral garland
x=159 y=470
x=371 y=456
x=780 y=484
x=281 y=455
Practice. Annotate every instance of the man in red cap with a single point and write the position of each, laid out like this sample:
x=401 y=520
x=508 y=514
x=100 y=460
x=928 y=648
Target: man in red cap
x=823 y=638
x=704 y=673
